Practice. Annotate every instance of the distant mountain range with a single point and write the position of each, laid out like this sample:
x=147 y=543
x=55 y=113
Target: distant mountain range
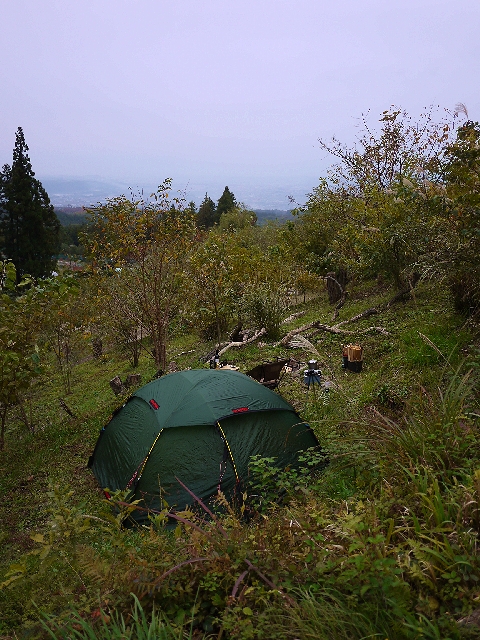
x=78 y=192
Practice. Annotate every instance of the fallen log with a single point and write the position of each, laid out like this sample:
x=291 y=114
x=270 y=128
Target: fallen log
x=337 y=328
x=236 y=345
x=213 y=352
x=360 y=316
x=311 y=325
x=294 y=316
x=286 y=339
x=66 y=408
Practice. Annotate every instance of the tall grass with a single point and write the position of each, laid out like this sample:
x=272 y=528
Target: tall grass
x=330 y=615
x=136 y=626
x=437 y=433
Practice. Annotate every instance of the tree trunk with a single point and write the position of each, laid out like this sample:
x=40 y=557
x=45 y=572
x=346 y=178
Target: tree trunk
x=217 y=319
x=28 y=423
x=334 y=288
x=135 y=346
x=158 y=333
x=97 y=348
x=160 y=354
x=2 y=427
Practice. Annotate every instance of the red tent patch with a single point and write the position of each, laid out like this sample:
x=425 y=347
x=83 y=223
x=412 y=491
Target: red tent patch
x=240 y=410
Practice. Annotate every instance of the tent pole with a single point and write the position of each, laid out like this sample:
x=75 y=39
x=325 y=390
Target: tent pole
x=229 y=450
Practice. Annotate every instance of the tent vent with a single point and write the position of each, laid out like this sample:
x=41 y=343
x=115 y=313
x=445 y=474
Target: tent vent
x=240 y=410
x=154 y=404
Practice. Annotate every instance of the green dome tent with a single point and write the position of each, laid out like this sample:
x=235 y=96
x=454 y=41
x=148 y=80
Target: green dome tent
x=200 y=426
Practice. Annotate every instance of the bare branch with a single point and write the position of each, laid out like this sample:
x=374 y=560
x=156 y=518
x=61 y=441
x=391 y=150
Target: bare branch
x=237 y=345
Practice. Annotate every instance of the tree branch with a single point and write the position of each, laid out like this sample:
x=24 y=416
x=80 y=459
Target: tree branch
x=332 y=329
x=256 y=336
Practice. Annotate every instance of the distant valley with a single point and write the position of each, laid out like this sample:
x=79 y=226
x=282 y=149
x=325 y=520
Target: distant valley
x=266 y=201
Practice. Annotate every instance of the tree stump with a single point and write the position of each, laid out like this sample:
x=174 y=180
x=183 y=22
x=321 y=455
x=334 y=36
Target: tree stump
x=133 y=380
x=97 y=348
x=117 y=385
x=235 y=335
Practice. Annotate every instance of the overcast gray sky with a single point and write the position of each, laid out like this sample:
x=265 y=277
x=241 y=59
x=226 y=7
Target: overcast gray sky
x=221 y=91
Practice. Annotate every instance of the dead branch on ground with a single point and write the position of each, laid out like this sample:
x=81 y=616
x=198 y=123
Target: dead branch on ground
x=236 y=345
x=332 y=329
x=294 y=316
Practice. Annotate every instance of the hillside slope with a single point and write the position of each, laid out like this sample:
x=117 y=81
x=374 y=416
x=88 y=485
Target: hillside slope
x=384 y=542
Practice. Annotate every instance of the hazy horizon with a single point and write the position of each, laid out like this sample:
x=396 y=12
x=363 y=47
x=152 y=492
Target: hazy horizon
x=222 y=93
x=64 y=191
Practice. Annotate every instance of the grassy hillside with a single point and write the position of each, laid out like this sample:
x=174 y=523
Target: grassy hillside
x=382 y=544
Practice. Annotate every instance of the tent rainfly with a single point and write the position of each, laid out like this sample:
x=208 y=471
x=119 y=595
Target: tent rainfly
x=200 y=426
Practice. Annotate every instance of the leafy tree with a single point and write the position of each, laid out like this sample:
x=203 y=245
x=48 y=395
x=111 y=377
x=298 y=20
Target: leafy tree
x=309 y=237
x=21 y=321
x=239 y=217
x=461 y=172
x=69 y=241
x=192 y=208
x=62 y=324
x=240 y=275
x=29 y=227
x=226 y=202
x=264 y=304
x=207 y=214
x=215 y=281
x=372 y=213
x=124 y=326
x=145 y=245
x=306 y=281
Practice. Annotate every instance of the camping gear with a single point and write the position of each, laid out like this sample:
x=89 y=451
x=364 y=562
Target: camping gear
x=269 y=373
x=352 y=358
x=215 y=361
x=200 y=426
x=312 y=375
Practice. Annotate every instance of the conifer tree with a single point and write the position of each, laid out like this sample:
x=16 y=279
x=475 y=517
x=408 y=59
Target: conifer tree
x=29 y=227
x=192 y=208
x=226 y=202
x=207 y=214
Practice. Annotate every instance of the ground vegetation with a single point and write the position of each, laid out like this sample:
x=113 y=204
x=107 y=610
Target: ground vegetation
x=383 y=542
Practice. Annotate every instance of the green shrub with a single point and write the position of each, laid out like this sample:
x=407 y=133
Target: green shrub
x=265 y=305
x=270 y=485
